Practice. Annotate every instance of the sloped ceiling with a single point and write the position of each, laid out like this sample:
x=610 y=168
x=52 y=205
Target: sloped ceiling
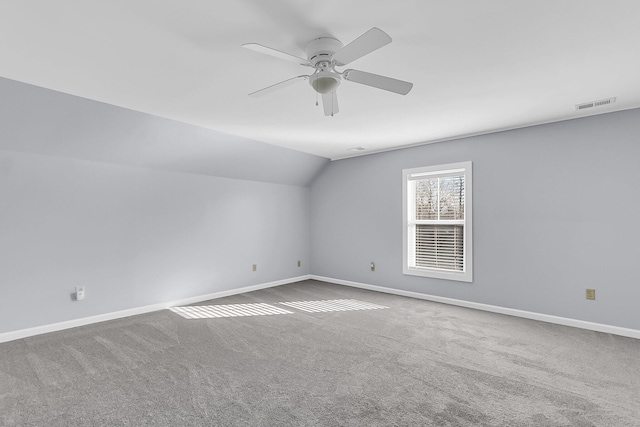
x=45 y=122
x=477 y=66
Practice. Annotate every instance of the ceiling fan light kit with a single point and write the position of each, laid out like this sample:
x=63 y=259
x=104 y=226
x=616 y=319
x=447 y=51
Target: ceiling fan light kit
x=324 y=54
x=324 y=81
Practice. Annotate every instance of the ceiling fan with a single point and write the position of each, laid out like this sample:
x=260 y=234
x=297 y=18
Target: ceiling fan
x=324 y=54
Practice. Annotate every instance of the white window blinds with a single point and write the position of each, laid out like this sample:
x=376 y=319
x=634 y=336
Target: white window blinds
x=435 y=214
x=440 y=247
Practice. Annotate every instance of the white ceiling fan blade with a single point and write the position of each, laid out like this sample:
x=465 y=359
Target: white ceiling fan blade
x=278 y=54
x=373 y=39
x=267 y=90
x=330 y=103
x=381 y=82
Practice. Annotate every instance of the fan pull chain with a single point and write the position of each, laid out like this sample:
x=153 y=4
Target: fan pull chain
x=316 y=99
x=332 y=98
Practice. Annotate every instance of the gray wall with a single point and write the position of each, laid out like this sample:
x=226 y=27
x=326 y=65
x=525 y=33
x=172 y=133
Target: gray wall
x=135 y=237
x=555 y=211
x=143 y=210
x=139 y=209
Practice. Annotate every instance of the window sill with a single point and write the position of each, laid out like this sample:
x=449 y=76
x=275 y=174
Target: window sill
x=438 y=274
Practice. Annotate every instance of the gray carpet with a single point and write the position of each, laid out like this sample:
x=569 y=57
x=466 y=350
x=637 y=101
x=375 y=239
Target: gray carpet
x=415 y=363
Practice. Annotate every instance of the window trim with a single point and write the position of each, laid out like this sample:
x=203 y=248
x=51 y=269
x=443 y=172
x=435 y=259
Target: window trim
x=407 y=200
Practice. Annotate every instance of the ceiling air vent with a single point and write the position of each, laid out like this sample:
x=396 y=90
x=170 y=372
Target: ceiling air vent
x=592 y=104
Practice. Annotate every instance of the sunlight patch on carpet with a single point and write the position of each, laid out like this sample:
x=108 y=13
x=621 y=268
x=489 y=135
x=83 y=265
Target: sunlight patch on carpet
x=228 y=310
x=332 y=305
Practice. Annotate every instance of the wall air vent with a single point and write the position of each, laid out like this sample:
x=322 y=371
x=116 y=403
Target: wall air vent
x=592 y=104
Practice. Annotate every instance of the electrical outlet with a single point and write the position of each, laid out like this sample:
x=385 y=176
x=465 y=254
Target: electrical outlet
x=79 y=293
x=299 y=263
x=373 y=266
x=591 y=294
x=255 y=267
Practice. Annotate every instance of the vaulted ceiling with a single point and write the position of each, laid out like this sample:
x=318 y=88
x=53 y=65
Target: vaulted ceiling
x=477 y=66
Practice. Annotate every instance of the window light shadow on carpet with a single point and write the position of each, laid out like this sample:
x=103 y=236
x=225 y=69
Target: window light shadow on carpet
x=332 y=305
x=229 y=310
x=263 y=309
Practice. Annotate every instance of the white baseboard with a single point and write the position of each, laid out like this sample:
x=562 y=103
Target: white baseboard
x=24 y=333
x=599 y=327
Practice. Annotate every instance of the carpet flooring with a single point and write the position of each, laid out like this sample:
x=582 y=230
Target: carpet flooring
x=380 y=360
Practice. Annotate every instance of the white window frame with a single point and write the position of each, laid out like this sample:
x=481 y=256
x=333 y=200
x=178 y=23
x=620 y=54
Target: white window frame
x=408 y=223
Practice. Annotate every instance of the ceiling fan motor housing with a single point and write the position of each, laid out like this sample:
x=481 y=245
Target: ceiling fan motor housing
x=319 y=53
x=321 y=49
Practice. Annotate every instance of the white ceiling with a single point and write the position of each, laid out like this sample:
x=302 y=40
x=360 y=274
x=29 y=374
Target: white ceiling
x=477 y=66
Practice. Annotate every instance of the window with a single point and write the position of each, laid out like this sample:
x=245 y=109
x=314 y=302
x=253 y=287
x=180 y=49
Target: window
x=437 y=221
